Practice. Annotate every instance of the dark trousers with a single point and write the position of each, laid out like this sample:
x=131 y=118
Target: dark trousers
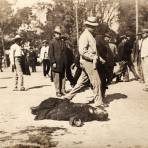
x=102 y=72
x=123 y=70
x=77 y=74
x=69 y=75
x=129 y=64
x=108 y=70
x=33 y=65
x=46 y=66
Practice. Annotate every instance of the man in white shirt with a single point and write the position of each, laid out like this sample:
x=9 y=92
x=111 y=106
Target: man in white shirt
x=88 y=61
x=44 y=57
x=144 y=58
x=16 y=59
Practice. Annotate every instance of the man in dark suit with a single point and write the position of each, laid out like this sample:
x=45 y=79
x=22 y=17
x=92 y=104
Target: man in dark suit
x=57 y=52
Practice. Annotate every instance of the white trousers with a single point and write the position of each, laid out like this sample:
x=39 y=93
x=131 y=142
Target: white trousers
x=144 y=61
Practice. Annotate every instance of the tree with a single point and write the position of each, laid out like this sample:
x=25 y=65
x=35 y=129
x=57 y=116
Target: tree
x=5 y=16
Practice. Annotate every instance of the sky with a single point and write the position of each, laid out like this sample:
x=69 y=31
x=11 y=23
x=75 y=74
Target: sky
x=25 y=3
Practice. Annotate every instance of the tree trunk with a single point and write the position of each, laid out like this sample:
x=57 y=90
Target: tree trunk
x=3 y=47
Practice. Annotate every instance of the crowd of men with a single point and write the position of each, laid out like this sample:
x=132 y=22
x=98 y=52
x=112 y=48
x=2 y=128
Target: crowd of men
x=94 y=61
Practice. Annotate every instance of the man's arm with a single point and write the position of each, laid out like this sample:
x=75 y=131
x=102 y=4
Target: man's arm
x=12 y=54
x=83 y=49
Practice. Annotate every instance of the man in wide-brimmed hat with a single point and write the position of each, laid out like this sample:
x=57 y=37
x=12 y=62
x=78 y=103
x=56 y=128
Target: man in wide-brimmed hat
x=16 y=59
x=88 y=61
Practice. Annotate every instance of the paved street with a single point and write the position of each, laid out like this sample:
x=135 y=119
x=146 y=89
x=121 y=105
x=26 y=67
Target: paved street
x=127 y=126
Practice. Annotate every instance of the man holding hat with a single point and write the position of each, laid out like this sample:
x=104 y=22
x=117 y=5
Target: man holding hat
x=16 y=59
x=57 y=52
x=88 y=61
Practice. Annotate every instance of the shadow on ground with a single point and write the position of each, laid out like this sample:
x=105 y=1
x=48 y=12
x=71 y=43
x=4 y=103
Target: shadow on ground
x=2 y=87
x=115 y=96
x=31 y=137
x=6 y=78
x=36 y=87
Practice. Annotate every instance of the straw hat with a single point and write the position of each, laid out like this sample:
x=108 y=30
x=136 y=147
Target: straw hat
x=91 y=21
x=17 y=37
x=107 y=35
x=57 y=29
x=123 y=37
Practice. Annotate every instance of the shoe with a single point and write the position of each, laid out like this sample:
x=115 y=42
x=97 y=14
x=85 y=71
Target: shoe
x=137 y=78
x=91 y=101
x=58 y=94
x=105 y=105
x=125 y=80
x=15 y=89
x=64 y=92
x=145 y=89
x=66 y=99
x=101 y=106
x=22 y=89
x=141 y=81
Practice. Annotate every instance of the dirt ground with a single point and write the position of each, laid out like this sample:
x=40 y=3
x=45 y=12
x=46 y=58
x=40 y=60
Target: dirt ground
x=127 y=126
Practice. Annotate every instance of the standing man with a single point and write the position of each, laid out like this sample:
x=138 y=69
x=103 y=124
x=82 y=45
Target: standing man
x=16 y=59
x=1 y=61
x=125 y=61
x=32 y=59
x=144 y=57
x=88 y=62
x=137 y=56
x=57 y=52
x=110 y=57
x=44 y=57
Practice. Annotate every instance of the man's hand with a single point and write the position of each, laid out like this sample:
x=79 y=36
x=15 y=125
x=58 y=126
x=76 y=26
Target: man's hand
x=95 y=59
x=102 y=60
x=54 y=65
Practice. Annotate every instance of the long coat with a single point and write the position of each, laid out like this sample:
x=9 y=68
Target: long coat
x=57 y=54
x=125 y=51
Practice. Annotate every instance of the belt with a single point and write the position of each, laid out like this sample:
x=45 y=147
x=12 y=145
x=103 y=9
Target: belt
x=18 y=56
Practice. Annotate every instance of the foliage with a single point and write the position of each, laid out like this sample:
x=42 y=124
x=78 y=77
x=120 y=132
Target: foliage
x=127 y=16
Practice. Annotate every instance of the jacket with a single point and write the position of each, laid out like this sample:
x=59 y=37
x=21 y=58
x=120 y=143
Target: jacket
x=57 y=54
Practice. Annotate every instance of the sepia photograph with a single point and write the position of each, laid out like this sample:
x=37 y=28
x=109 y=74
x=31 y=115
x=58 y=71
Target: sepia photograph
x=73 y=73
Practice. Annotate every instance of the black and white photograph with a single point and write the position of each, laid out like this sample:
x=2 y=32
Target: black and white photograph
x=73 y=73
